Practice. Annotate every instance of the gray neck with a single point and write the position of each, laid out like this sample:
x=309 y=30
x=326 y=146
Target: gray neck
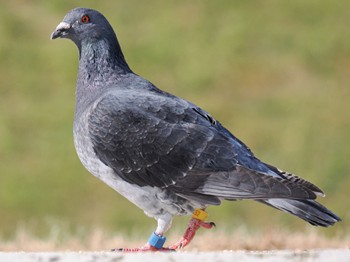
x=101 y=65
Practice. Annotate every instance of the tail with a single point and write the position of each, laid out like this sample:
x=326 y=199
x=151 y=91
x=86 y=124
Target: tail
x=309 y=210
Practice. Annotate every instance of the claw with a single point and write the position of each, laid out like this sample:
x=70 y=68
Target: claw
x=190 y=232
x=207 y=225
x=145 y=248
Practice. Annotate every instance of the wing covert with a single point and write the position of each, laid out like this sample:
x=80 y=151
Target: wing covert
x=154 y=143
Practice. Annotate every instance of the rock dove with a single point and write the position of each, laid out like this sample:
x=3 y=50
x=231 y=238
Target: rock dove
x=166 y=155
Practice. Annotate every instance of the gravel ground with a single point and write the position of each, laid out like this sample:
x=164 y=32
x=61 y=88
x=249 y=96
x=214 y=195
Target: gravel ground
x=329 y=255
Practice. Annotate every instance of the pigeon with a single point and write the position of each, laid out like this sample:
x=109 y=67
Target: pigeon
x=165 y=154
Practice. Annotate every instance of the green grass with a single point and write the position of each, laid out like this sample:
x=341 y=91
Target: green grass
x=275 y=73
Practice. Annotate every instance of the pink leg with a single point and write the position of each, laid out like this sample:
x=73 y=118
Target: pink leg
x=157 y=240
x=190 y=232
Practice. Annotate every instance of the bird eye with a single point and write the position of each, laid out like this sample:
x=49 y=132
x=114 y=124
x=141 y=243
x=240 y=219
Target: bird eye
x=85 y=19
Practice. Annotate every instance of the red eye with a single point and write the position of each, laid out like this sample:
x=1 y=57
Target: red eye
x=85 y=19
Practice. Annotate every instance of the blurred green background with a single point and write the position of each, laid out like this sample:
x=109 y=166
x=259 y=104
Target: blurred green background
x=276 y=73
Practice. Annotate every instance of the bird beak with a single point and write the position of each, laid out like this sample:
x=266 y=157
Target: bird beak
x=61 y=30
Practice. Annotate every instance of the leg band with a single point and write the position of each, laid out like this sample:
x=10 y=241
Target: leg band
x=200 y=214
x=156 y=241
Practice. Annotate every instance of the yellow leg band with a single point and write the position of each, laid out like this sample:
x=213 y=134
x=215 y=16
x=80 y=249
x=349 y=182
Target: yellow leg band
x=200 y=215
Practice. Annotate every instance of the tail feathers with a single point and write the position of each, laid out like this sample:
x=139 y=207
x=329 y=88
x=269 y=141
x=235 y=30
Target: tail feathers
x=309 y=210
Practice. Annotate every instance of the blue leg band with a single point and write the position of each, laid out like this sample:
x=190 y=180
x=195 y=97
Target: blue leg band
x=156 y=241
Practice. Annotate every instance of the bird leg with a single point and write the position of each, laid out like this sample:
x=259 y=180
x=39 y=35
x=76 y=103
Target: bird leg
x=195 y=223
x=156 y=241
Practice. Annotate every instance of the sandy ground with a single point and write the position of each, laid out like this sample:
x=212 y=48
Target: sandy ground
x=329 y=255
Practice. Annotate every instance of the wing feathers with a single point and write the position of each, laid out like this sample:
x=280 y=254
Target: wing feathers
x=245 y=183
x=144 y=147
x=297 y=180
x=165 y=143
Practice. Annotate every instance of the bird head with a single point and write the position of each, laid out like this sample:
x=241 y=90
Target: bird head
x=82 y=23
x=96 y=40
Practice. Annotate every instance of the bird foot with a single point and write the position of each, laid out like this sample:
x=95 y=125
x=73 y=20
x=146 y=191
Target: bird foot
x=190 y=232
x=145 y=248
